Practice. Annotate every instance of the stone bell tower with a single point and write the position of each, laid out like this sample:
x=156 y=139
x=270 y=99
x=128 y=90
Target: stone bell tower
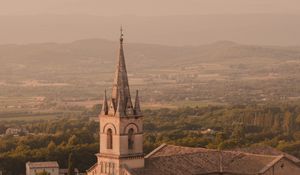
x=121 y=125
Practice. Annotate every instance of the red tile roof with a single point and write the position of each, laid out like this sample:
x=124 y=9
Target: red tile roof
x=42 y=164
x=267 y=150
x=171 y=160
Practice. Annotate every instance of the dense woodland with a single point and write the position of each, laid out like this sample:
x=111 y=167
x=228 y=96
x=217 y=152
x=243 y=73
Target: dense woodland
x=276 y=125
x=246 y=95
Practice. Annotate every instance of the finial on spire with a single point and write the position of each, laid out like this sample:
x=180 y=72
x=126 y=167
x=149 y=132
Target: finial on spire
x=121 y=36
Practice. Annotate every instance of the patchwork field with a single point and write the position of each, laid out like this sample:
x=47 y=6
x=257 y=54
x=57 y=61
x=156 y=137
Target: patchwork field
x=221 y=73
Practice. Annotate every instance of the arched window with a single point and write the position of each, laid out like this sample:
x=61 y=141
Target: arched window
x=109 y=139
x=130 y=138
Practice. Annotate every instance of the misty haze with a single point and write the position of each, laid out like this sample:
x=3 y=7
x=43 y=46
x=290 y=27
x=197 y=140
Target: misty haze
x=149 y=87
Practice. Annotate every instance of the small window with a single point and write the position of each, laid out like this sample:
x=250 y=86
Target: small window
x=109 y=139
x=130 y=138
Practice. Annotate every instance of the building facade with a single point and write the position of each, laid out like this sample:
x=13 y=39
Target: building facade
x=121 y=144
x=16 y=131
x=33 y=168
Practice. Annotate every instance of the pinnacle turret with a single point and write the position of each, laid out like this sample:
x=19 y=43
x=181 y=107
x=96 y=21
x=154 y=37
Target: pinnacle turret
x=104 y=110
x=112 y=108
x=137 y=107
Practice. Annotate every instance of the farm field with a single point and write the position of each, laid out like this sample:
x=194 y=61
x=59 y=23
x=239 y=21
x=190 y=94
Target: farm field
x=30 y=117
x=222 y=73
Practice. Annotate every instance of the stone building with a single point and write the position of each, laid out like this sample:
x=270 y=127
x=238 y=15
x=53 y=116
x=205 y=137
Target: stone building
x=16 y=131
x=32 y=168
x=121 y=145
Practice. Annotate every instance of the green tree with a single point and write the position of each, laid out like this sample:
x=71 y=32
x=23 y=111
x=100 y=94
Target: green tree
x=238 y=132
x=227 y=144
x=298 y=120
x=51 y=146
x=43 y=173
x=288 y=122
x=73 y=140
x=71 y=165
x=296 y=135
x=96 y=109
x=220 y=137
x=276 y=123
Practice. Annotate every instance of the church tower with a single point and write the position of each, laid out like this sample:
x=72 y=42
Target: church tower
x=121 y=125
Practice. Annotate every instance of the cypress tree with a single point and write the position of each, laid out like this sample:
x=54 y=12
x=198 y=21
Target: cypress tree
x=71 y=165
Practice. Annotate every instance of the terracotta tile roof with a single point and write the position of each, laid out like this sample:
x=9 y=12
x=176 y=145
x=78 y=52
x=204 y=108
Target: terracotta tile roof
x=171 y=160
x=267 y=150
x=42 y=164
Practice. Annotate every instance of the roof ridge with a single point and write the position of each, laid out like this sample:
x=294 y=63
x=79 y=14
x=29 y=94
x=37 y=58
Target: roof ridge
x=254 y=154
x=192 y=147
x=264 y=169
x=156 y=150
x=42 y=162
x=273 y=150
x=226 y=151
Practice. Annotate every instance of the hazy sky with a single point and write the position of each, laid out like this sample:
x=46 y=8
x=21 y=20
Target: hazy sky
x=270 y=22
x=146 y=7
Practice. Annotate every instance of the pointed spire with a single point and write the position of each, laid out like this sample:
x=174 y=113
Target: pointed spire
x=137 y=107
x=120 y=91
x=112 y=108
x=104 y=110
x=120 y=103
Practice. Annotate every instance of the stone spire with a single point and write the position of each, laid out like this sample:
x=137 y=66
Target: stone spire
x=137 y=107
x=121 y=103
x=104 y=110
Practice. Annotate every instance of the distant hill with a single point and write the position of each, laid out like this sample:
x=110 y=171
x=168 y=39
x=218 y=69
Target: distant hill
x=261 y=29
x=221 y=72
x=98 y=55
